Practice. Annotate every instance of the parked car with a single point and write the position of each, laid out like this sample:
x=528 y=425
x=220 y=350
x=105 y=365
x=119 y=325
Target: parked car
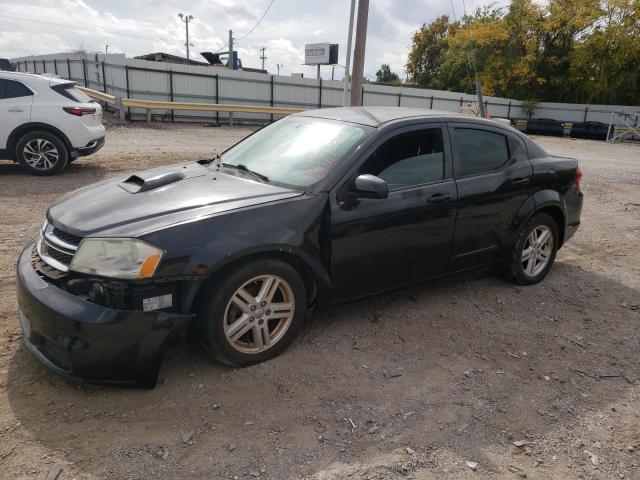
x=592 y=130
x=7 y=65
x=46 y=122
x=315 y=209
x=545 y=126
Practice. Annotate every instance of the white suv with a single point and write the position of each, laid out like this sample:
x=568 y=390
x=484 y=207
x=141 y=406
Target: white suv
x=46 y=122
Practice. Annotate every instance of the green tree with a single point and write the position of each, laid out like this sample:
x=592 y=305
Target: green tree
x=385 y=75
x=425 y=56
x=564 y=50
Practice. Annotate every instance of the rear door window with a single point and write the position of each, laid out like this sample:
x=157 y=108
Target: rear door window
x=479 y=151
x=13 y=89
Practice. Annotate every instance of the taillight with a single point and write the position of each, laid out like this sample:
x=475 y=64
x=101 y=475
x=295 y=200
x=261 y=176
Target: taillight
x=578 y=176
x=79 y=111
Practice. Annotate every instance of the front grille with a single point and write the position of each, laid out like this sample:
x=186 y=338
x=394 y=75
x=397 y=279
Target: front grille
x=67 y=237
x=56 y=248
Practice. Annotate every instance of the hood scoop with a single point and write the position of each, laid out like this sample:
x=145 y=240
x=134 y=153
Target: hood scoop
x=137 y=183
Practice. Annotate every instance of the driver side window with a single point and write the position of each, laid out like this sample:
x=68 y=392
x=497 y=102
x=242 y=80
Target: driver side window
x=409 y=160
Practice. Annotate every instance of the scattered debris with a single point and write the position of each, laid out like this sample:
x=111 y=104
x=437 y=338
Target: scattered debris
x=392 y=374
x=520 y=443
x=472 y=465
x=186 y=437
x=55 y=471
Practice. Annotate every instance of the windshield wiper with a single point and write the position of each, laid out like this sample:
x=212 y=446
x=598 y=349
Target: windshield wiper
x=244 y=168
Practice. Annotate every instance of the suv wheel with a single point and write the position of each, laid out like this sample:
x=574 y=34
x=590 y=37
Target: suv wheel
x=252 y=312
x=41 y=153
x=534 y=251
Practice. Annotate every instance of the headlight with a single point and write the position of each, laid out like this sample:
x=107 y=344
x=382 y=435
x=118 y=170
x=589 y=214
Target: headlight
x=116 y=257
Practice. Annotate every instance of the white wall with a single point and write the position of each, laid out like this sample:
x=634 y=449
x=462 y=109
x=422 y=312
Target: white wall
x=198 y=84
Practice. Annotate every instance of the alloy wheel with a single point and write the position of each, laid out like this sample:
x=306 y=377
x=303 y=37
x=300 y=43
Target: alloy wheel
x=259 y=314
x=40 y=154
x=537 y=250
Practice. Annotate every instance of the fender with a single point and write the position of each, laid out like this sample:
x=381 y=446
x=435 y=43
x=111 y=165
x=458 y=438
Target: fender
x=536 y=202
x=294 y=229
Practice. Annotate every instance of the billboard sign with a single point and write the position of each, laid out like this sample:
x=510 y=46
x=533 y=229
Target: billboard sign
x=321 y=54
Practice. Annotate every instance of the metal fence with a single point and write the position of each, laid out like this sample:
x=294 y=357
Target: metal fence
x=145 y=80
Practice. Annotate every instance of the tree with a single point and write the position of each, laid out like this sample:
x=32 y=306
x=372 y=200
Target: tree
x=385 y=75
x=425 y=57
x=564 y=50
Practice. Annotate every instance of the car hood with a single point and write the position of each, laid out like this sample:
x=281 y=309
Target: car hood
x=153 y=199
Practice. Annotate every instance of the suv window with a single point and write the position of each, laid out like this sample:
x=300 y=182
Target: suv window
x=480 y=151
x=13 y=89
x=408 y=160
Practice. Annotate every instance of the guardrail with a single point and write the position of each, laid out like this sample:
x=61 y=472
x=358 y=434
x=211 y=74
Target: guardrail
x=99 y=95
x=150 y=105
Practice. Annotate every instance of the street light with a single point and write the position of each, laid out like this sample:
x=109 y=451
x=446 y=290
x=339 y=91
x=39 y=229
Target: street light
x=278 y=65
x=186 y=19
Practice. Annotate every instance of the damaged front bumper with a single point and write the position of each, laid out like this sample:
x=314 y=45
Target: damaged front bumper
x=88 y=342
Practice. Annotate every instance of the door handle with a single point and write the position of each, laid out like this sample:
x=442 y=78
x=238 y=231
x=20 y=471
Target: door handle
x=15 y=109
x=521 y=181
x=439 y=197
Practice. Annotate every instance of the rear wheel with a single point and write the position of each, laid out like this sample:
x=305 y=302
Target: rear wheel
x=534 y=252
x=253 y=312
x=41 y=153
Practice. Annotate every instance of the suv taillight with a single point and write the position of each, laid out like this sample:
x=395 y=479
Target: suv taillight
x=79 y=111
x=578 y=176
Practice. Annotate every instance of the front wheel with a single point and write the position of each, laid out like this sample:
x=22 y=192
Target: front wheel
x=41 y=153
x=534 y=251
x=253 y=312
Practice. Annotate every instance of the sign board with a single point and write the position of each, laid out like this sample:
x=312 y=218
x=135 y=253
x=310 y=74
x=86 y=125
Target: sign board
x=321 y=54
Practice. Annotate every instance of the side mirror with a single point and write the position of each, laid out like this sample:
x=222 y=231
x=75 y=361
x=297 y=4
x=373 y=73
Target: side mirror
x=370 y=186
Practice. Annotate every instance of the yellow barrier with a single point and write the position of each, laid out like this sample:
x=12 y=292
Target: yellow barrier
x=99 y=95
x=205 y=107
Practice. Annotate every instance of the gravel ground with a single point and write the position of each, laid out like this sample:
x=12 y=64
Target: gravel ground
x=472 y=377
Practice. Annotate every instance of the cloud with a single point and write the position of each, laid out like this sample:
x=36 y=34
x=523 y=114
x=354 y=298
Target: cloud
x=136 y=27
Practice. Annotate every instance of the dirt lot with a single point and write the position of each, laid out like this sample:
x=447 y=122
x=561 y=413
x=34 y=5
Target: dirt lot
x=535 y=382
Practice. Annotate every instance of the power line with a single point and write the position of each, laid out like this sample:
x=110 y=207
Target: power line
x=258 y=22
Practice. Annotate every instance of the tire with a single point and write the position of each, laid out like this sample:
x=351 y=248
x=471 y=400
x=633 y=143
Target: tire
x=520 y=269
x=41 y=153
x=225 y=314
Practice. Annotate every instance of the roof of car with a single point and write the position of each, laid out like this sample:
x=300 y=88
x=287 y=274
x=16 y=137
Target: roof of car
x=27 y=77
x=376 y=116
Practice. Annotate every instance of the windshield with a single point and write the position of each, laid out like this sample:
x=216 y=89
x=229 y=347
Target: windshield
x=297 y=151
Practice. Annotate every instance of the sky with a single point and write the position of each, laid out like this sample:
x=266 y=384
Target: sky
x=136 y=27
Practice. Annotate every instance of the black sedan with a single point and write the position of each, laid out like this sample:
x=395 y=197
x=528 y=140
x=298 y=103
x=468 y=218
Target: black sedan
x=315 y=209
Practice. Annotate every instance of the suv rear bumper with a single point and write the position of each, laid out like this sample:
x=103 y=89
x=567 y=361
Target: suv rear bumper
x=92 y=147
x=84 y=341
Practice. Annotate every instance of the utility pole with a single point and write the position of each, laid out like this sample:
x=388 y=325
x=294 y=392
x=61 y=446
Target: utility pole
x=262 y=57
x=230 y=49
x=358 y=52
x=186 y=19
x=345 y=91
